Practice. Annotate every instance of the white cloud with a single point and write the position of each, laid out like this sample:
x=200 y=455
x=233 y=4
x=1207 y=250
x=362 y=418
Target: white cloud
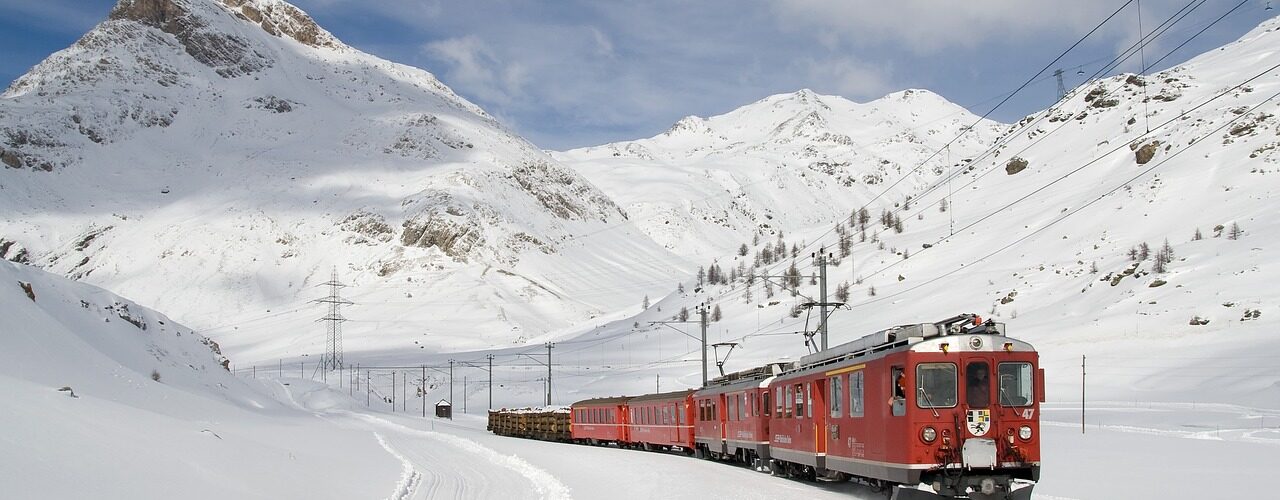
x=928 y=26
x=474 y=66
x=848 y=77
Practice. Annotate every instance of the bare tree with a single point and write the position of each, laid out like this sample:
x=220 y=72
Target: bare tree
x=1235 y=232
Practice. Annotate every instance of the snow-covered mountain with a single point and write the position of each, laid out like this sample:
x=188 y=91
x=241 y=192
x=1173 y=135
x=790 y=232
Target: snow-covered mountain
x=217 y=158
x=1046 y=232
x=788 y=161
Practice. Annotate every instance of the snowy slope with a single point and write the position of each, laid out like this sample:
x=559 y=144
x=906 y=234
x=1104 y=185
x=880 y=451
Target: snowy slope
x=217 y=158
x=787 y=161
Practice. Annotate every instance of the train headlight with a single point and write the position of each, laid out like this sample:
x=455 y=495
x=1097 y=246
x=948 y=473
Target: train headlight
x=928 y=434
x=1024 y=432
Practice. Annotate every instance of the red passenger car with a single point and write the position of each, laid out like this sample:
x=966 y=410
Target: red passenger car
x=733 y=413
x=661 y=421
x=599 y=421
x=952 y=404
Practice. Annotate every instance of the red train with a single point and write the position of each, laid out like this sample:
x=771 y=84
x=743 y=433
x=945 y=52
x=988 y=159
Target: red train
x=952 y=405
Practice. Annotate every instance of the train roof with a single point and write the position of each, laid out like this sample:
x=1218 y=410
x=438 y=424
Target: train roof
x=970 y=325
x=665 y=395
x=602 y=401
x=745 y=379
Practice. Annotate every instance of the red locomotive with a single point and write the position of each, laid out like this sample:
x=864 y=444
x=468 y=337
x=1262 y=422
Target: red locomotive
x=952 y=405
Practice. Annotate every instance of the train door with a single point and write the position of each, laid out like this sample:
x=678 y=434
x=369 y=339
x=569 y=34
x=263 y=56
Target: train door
x=818 y=405
x=835 y=398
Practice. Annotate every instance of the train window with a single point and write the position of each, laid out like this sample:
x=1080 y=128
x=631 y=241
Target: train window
x=786 y=404
x=1017 y=387
x=732 y=414
x=744 y=410
x=755 y=404
x=768 y=403
x=808 y=395
x=684 y=418
x=836 y=395
x=936 y=385
x=977 y=384
x=855 y=394
x=799 y=401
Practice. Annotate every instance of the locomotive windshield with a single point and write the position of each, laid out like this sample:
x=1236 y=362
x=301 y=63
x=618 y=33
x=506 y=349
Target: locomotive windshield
x=935 y=385
x=1016 y=385
x=977 y=385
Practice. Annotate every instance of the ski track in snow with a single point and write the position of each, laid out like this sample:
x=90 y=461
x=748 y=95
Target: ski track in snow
x=545 y=484
x=409 y=479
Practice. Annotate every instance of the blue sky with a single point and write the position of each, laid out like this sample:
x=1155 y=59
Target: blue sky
x=571 y=73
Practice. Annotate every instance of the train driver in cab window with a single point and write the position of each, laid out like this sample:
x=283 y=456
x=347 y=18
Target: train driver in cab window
x=898 y=403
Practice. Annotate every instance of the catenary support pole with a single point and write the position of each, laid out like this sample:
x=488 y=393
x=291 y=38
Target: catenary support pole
x=423 y=390
x=490 y=381
x=702 y=313
x=549 y=347
x=1082 y=394
x=393 y=391
x=822 y=291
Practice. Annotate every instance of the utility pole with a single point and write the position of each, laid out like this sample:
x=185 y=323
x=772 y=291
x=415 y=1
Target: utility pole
x=657 y=383
x=702 y=310
x=451 y=383
x=702 y=319
x=464 y=394
x=490 y=380
x=367 y=389
x=1082 y=394
x=822 y=294
x=423 y=389
x=404 y=391
x=333 y=321
x=549 y=347
x=393 y=391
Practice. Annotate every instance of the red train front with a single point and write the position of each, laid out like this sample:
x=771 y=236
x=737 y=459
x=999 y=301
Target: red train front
x=953 y=405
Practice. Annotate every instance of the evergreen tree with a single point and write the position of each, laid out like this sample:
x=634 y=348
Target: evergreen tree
x=746 y=295
x=1144 y=251
x=1197 y=236
x=768 y=289
x=897 y=224
x=942 y=205
x=871 y=290
x=715 y=313
x=680 y=287
x=684 y=314
x=1235 y=232
x=702 y=275
x=644 y=306
x=742 y=250
x=863 y=218
x=842 y=292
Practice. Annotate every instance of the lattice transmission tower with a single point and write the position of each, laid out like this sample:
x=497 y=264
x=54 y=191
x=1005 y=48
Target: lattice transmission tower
x=333 y=323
